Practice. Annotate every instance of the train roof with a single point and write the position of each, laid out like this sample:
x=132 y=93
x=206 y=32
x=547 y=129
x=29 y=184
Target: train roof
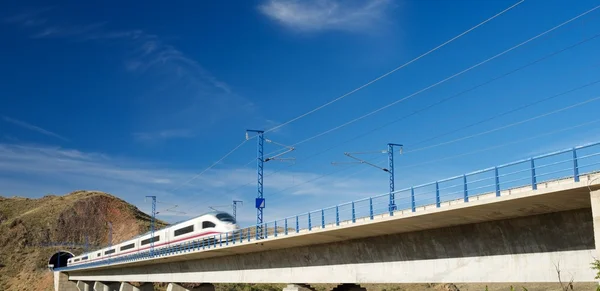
x=146 y=233
x=179 y=222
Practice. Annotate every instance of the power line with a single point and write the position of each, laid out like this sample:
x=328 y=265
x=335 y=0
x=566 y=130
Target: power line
x=392 y=71
x=451 y=77
x=446 y=79
x=546 y=57
x=505 y=144
x=438 y=160
x=470 y=125
x=211 y=166
x=505 y=126
x=508 y=112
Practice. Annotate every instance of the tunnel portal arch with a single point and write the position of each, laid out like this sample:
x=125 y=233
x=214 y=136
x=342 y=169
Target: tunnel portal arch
x=59 y=259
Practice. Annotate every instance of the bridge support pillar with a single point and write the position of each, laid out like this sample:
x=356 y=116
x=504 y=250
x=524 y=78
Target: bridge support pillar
x=203 y=287
x=100 y=286
x=62 y=283
x=349 y=287
x=85 y=286
x=144 y=287
x=595 y=201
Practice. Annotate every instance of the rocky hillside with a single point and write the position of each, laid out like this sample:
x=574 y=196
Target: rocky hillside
x=27 y=226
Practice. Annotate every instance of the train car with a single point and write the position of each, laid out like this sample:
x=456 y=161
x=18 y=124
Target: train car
x=203 y=227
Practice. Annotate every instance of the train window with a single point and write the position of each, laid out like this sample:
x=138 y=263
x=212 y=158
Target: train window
x=129 y=246
x=154 y=239
x=84 y=258
x=207 y=224
x=225 y=217
x=184 y=230
x=99 y=254
x=76 y=260
x=109 y=252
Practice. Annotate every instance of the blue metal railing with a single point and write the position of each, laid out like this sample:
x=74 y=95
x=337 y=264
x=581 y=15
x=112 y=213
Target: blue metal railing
x=528 y=173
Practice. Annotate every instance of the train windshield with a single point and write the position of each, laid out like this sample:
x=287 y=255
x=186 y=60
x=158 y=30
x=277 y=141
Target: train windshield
x=225 y=217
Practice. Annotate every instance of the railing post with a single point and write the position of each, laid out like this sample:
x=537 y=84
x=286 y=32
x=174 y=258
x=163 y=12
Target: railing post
x=322 y=218
x=286 y=227
x=248 y=233
x=437 y=194
x=275 y=228
x=466 y=193
x=256 y=231
x=309 y=222
x=353 y=213
x=575 y=166
x=497 y=182
x=337 y=215
x=412 y=199
x=220 y=239
x=297 y=225
x=266 y=231
x=533 y=178
x=371 y=207
x=226 y=238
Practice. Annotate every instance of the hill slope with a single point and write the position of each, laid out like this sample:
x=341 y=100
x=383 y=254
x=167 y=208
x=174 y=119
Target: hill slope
x=27 y=226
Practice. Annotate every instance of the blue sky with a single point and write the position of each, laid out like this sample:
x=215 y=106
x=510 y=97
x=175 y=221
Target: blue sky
x=138 y=100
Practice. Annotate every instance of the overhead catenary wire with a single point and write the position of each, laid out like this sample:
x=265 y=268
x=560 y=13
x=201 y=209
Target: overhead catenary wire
x=211 y=166
x=394 y=70
x=505 y=126
x=436 y=160
x=507 y=112
x=546 y=57
x=470 y=125
x=448 y=78
x=505 y=144
x=556 y=27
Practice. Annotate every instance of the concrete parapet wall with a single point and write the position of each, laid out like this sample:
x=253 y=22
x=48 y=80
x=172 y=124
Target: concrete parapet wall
x=523 y=249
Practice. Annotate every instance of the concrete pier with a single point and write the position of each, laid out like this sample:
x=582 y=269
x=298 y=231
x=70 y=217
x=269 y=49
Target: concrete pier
x=177 y=287
x=62 y=283
x=143 y=287
x=110 y=286
x=85 y=286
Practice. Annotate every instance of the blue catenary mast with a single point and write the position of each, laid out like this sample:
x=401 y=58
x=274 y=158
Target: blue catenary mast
x=392 y=204
x=152 y=225
x=260 y=201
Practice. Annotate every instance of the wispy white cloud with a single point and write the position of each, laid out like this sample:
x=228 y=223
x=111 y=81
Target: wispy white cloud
x=32 y=127
x=64 y=31
x=197 y=92
x=34 y=170
x=163 y=135
x=29 y=18
x=320 y=15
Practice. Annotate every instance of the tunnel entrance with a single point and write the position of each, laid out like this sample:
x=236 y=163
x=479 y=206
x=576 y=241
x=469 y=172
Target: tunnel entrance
x=59 y=259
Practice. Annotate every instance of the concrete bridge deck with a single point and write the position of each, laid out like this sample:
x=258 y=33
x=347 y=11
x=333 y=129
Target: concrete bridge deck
x=509 y=233
x=519 y=236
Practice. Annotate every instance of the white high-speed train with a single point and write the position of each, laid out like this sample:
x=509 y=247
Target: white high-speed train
x=202 y=227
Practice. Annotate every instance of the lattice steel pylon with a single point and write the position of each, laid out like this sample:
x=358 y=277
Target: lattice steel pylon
x=392 y=205
x=260 y=160
x=152 y=225
x=260 y=201
x=390 y=152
